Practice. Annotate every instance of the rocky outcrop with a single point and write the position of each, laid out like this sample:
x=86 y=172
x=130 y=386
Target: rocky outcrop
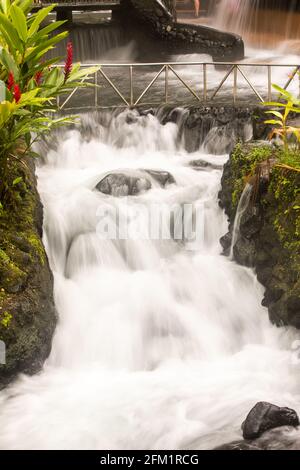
x=27 y=313
x=183 y=38
x=218 y=128
x=132 y=183
x=265 y=416
x=122 y=184
x=268 y=427
x=269 y=234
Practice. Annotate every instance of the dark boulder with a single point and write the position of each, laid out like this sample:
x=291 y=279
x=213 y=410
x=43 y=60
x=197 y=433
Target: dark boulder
x=162 y=177
x=265 y=416
x=123 y=184
x=202 y=165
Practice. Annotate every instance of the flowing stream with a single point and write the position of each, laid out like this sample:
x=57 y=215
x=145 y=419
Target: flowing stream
x=159 y=345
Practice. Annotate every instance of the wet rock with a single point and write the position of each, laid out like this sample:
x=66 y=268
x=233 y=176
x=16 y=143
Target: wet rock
x=162 y=177
x=123 y=184
x=202 y=164
x=238 y=445
x=283 y=438
x=265 y=416
x=27 y=311
x=268 y=239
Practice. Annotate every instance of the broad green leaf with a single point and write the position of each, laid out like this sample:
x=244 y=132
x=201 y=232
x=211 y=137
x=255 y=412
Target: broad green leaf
x=8 y=61
x=11 y=31
x=19 y=21
x=275 y=113
x=38 y=18
x=274 y=121
x=26 y=5
x=42 y=48
x=45 y=31
x=283 y=92
x=82 y=73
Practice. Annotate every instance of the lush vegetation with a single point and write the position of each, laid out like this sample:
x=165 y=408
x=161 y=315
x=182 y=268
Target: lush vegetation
x=30 y=83
x=288 y=135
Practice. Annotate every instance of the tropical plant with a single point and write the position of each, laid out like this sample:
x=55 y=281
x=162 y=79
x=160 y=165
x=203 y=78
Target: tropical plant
x=32 y=80
x=290 y=135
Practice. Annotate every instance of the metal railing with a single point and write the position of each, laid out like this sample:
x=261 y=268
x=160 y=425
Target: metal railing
x=129 y=84
x=78 y=2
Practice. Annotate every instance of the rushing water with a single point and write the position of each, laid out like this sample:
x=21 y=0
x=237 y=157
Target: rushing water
x=157 y=345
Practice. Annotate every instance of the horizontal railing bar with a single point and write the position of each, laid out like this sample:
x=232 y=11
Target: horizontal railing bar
x=161 y=64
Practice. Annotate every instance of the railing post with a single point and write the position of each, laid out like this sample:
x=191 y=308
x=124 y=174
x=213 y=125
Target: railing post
x=96 y=89
x=269 y=83
x=131 y=85
x=235 y=74
x=204 y=83
x=166 y=84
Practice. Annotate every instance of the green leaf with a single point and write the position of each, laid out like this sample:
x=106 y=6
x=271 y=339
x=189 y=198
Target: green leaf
x=17 y=180
x=38 y=18
x=274 y=103
x=8 y=61
x=45 y=31
x=283 y=92
x=10 y=34
x=28 y=139
x=275 y=113
x=4 y=6
x=19 y=21
x=26 y=6
x=44 y=47
x=273 y=121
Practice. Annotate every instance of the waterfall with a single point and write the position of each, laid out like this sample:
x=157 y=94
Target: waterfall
x=99 y=43
x=236 y=15
x=251 y=19
x=160 y=343
x=241 y=209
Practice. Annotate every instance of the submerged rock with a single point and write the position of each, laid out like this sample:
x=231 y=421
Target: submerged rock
x=203 y=164
x=123 y=184
x=162 y=177
x=131 y=183
x=265 y=416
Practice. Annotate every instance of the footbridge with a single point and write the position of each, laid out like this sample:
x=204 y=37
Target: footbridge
x=183 y=83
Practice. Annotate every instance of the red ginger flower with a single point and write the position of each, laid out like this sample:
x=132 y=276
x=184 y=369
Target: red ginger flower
x=10 y=81
x=38 y=77
x=69 y=61
x=17 y=93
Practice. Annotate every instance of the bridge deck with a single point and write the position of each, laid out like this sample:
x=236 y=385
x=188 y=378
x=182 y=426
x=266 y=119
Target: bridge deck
x=82 y=5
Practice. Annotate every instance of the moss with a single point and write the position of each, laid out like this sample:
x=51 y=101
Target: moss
x=285 y=186
x=244 y=160
x=5 y=319
x=38 y=246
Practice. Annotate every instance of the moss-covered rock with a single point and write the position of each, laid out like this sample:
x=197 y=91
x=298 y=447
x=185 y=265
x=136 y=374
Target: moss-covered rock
x=269 y=235
x=27 y=313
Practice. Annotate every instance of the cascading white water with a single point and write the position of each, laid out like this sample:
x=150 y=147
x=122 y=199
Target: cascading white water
x=236 y=15
x=241 y=209
x=157 y=346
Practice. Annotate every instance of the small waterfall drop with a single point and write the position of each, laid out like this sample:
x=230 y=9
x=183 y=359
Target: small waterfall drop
x=241 y=209
x=251 y=20
x=159 y=344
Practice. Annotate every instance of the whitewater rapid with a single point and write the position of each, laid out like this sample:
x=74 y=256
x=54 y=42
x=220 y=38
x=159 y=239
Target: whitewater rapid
x=157 y=346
